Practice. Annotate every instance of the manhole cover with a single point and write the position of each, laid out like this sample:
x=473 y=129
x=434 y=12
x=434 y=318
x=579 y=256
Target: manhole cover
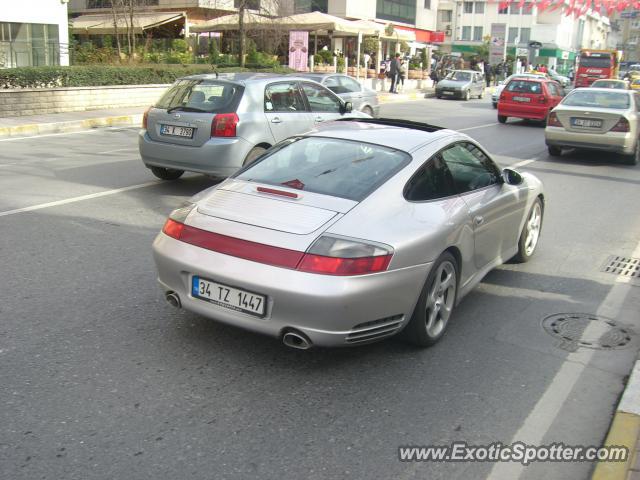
x=624 y=266
x=575 y=330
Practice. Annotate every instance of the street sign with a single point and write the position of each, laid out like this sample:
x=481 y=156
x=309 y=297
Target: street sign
x=534 y=44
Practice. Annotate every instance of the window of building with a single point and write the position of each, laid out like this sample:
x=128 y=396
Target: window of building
x=466 y=33
x=468 y=7
x=397 y=10
x=514 y=9
x=427 y=4
x=503 y=11
x=249 y=4
x=479 y=6
x=446 y=16
x=477 y=34
x=28 y=45
x=107 y=3
x=513 y=34
x=526 y=10
x=525 y=35
x=306 y=6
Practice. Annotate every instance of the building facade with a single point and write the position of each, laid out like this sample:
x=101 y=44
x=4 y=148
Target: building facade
x=34 y=33
x=467 y=25
x=625 y=27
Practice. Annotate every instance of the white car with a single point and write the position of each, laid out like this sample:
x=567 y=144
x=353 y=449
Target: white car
x=596 y=119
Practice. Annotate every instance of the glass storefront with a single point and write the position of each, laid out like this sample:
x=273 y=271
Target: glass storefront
x=28 y=45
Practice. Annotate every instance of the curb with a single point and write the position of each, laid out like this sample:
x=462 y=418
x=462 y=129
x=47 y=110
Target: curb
x=70 y=126
x=405 y=97
x=624 y=432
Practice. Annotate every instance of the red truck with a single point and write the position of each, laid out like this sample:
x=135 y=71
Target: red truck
x=593 y=65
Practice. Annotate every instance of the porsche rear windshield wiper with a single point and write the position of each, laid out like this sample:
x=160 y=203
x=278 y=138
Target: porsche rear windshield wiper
x=185 y=109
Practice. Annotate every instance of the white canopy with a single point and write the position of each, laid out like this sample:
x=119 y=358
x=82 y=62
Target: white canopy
x=102 y=24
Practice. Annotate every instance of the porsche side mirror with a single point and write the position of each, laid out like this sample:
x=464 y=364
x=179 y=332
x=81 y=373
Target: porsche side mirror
x=347 y=107
x=511 y=177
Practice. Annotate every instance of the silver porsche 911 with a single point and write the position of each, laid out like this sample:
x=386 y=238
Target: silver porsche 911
x=354 y=232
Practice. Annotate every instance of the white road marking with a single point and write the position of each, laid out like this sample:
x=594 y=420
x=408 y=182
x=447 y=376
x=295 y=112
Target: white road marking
x=78 y=199
x=129 y=149
x=522 y=163
x=477 y=126
x=543 y=415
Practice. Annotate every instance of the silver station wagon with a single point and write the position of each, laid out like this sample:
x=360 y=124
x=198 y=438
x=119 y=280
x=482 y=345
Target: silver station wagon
x=216 y=124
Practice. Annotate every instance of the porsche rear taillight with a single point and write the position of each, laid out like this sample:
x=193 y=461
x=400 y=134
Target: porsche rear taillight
x=331 y=255
x=173 y=229
x=224 y=125
x=621 y=126
x=553 y=121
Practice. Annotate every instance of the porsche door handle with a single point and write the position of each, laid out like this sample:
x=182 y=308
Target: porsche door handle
x=478 y=220
x=319 y=119
x=276 y=120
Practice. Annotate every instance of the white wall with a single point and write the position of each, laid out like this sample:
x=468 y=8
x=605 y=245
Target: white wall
x=426 y=19
x=40 y=11
x=359 y=9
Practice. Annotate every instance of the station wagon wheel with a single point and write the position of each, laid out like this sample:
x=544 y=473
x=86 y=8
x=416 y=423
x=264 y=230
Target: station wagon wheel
x=481 y=94
x=166 y=173
x=634 y=158
x=467 y=95
x=502 y=119
x=368 y=110
x=530 y=233
x=253 y=154
x=554 y=151
x=435 y=304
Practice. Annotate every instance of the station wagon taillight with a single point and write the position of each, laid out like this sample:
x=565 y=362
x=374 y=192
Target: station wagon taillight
x=145 y=117
x=224 y=125
x=542 y=99
x=621 y=126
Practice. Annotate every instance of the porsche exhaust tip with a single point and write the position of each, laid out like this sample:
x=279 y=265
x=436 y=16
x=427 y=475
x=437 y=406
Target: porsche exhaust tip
x=173 y=299
x=296 y=340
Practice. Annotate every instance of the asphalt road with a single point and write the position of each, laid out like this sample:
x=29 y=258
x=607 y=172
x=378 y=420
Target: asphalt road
x=101 y=379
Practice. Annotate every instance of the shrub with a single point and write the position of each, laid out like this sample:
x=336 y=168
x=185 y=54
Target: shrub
x=100 y=75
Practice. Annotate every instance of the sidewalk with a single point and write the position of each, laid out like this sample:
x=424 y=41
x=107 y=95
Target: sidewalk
x=32 y=125
x=624 y=431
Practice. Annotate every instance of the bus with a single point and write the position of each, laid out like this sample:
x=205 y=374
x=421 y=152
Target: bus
x=593 y=65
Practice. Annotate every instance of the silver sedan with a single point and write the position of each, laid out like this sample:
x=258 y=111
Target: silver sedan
x=362 y=98
x=349 y=234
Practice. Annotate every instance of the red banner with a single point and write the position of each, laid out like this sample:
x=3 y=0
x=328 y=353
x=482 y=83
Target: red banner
x=575 y=7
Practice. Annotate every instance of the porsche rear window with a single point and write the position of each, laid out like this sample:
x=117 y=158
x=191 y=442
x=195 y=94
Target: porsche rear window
x=594 y=98
x=335 y=167
x=524 y=86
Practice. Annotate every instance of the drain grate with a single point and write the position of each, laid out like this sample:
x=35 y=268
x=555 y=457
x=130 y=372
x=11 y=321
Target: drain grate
x=574 y=330
x=625 y=266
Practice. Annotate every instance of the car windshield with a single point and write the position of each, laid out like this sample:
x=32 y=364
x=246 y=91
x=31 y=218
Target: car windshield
x=340 y=168
x=587 y=98
x=461 y=76
x=524 y=86
x=201 y=96
x=597 y=62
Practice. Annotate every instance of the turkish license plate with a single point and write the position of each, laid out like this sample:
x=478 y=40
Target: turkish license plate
x=228 y=297
x=176 y=131
x=521 y=99
x=586 y=122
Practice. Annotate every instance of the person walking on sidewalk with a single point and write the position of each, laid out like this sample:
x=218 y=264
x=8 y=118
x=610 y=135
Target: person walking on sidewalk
x=401 y=76
x=394 y=72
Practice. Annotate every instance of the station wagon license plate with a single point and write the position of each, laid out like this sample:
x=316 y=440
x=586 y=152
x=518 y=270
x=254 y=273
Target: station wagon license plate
x=176 y=131
x=447 y=93
x=521 y=99
x=228 y=297
x=586 y=122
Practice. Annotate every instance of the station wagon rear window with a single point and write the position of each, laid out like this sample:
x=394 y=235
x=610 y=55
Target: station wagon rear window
x=592 y=98
x=340 y=168
x=206 y=96
x=524 y=86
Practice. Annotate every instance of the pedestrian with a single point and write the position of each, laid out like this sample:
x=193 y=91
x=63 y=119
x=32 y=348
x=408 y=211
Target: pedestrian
x=488 y=72
x=394 y=72
x=402 y=74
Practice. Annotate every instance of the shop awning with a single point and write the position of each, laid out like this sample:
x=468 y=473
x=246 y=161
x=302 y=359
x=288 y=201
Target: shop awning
x=102 y=24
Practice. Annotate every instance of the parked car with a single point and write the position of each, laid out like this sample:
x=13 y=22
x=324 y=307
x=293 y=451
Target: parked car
x=461 y=84
x=362 y=98
x=498 y=90
x=561 y=79
x=528 y=98
x=215 y=125
x=635 y=83
x=611 y=83
x=351 y=233
x=596 y=119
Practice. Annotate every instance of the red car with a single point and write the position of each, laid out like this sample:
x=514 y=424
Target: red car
x=529 y=98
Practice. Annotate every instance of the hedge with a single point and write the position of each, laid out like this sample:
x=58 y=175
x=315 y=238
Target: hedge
x=99 y=75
